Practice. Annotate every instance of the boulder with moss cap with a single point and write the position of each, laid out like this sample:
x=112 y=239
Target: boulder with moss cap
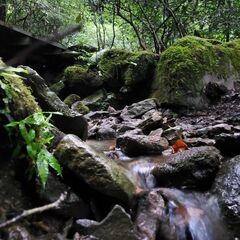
x=188 y=66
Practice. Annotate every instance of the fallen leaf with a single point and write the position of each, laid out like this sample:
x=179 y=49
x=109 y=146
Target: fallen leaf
x=179 y=146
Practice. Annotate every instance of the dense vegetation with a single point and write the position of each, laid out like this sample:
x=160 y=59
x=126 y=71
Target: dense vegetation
x=135 y=24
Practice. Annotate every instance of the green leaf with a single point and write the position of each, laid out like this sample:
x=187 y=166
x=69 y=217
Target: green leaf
x=12 y=124
x=32 y=152
x=24 y=132
x=31 y=134
x=53 y=162
x=42 y=167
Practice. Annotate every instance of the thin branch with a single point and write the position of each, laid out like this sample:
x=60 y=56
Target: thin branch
x=32 y=211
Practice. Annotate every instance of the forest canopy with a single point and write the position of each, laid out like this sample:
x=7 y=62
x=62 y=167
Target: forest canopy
x=135 y=24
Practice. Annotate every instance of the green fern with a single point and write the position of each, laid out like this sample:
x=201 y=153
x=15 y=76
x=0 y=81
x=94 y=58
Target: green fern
x=35 y=130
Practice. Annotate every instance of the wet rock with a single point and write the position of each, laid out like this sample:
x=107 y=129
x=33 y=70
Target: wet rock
x=73 y=206
x=95 y=100
x=193 y=168
x=99 y=172
x=106 y=133
x=227 y=188
x=117 y=225
x=136 y=110
x=103 y=128
x=150 y=212
x=158 y=132
x=197 y=142
x=228 y=143
x=173 y=134
x=211 y=131
x=136 y=145
x=152 y=122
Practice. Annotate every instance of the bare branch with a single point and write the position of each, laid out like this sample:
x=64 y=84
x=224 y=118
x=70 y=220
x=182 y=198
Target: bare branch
x=32 y=211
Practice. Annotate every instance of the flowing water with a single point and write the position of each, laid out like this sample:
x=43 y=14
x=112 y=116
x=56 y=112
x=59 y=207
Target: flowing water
x=188 y=215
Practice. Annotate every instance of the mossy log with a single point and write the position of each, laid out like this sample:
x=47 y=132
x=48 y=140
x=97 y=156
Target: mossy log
x=70 y=121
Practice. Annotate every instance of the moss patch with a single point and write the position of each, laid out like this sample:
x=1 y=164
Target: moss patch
x=182 y=67
x=80 y=80
x=124 y=68
x=72 y=98
x=80 y=107
x=22 y=102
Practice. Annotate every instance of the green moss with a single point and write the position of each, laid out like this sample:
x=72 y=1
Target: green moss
x=21 y=102
x=113 y=64
x=75 y=73
x=72 y=98
x=124 y=68
x=80 y=107
x=180 y=72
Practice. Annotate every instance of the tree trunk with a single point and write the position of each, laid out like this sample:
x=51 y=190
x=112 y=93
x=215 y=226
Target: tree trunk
x=3 y=7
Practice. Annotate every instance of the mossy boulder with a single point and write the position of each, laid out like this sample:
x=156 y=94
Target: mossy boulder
x=81 y=81
x=20 y=99
x=124 y=70
x=189 y=65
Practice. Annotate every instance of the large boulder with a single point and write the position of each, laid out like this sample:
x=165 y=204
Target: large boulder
x=193 y=168
x=81 y=81
x=192 y=66
x=127 y=71
x=99 y=172
x=227 y=188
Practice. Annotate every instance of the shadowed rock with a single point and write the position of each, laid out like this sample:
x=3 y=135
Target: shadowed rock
x=117 y=225
x=193 y=168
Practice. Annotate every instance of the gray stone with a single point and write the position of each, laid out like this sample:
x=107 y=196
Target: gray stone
x=193 y=168
x=116 y=225
x=98 y=171
x=227 y=188
x=149 y=215
x=138 y=109
x=197 y=142
x=152 y=122
x=135 y=145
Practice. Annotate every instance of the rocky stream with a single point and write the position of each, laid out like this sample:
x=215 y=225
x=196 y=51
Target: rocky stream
x=133 y=170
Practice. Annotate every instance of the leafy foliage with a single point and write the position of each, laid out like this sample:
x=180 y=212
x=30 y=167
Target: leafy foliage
x=35 y=130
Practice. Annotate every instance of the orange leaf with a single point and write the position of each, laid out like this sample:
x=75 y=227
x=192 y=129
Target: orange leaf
x=179 y=146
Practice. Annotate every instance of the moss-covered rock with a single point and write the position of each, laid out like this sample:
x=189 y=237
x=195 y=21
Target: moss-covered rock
x=125 y=70
x=81 y=81
x=190 y=64
x=21 y=101
x=80 y=107
x=70 y=99
x=95 y=169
